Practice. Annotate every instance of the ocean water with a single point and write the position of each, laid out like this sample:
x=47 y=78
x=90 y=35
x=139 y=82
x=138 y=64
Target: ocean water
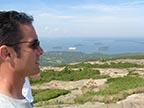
x=94 y=45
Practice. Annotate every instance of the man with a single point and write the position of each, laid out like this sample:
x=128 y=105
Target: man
x=19 y=57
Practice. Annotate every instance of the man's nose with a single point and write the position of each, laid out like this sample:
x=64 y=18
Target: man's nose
x=39 y=51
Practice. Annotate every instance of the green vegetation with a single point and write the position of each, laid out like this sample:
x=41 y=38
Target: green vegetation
x=118 y=88
x=47 y=94
x=106 y=65
x=129 y=56
x=69 y=75
x=55 y=58
x=83 y=71
x=114 y=90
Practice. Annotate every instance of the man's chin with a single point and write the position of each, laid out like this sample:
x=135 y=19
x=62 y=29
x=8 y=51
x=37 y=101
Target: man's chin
x=34 y=73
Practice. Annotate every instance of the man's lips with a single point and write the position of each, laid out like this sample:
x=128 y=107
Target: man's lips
x=37 y=63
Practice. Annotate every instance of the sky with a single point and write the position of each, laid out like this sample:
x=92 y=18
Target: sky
x=83 y=18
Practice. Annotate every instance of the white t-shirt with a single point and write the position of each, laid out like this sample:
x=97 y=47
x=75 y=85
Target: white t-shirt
x=9 y=102
x=26 y=90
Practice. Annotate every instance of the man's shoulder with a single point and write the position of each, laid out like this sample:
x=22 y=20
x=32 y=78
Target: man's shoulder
x=8 y=102
x=5 y=103
x=3 y=98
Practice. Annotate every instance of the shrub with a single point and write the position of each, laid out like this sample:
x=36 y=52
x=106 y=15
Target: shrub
x=47 y=94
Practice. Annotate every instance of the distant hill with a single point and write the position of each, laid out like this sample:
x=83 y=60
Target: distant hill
x=53 y=58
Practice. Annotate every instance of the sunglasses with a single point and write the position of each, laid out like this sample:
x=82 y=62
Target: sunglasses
x=34 y=44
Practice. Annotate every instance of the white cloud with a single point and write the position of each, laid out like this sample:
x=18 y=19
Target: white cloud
x=134 y=3
x=53 y=25
x=126 y=8
x=125 y=19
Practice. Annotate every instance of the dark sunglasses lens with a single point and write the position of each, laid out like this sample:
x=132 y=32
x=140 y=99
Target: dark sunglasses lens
x=36 y=44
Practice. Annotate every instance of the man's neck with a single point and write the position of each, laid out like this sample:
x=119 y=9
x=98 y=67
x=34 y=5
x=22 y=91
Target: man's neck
x=12 y=89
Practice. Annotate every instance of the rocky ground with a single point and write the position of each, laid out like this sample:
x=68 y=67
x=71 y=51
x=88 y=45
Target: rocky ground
x=133 y=101
x=82 y=86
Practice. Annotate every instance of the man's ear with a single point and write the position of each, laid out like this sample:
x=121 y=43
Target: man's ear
x=4 y=52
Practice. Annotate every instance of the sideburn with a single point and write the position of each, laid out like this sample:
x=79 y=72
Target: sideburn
x=17 y=50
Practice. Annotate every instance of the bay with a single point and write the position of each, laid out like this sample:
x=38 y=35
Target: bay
x=93 y=44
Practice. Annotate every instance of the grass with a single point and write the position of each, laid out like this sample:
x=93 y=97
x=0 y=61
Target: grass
x=118 y=65
x=69 y=75
x=84 y=71
x=47 y=94
x=118 y=88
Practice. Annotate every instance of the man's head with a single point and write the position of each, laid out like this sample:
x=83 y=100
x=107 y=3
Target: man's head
x=10 y=32
x=19 y=45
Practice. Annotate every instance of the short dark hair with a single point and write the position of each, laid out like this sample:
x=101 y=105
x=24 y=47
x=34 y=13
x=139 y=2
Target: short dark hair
x=10 y=26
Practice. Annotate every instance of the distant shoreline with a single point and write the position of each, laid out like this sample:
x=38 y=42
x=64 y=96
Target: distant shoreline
x=94 y=45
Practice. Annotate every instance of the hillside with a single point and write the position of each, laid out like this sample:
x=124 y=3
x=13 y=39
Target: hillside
x=117 y=83
x=55 y=58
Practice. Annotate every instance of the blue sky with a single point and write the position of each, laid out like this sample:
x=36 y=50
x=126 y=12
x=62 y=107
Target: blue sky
x=83 y=18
